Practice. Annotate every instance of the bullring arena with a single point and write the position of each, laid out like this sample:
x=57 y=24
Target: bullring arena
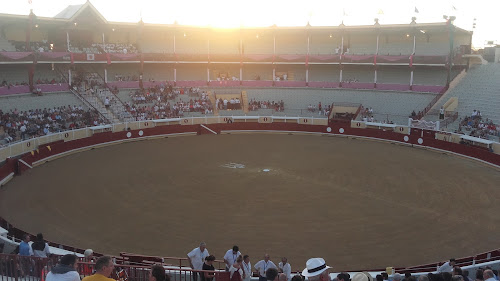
x=375 y=147
x=351 y=195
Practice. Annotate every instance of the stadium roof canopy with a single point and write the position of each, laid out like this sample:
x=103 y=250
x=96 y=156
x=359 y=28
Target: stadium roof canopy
x=87 y=15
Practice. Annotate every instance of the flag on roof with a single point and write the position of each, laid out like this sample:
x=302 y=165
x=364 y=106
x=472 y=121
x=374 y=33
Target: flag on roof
x=416 y=10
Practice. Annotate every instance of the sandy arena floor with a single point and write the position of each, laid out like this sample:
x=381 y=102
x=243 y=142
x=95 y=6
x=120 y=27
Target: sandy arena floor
x=359 y=204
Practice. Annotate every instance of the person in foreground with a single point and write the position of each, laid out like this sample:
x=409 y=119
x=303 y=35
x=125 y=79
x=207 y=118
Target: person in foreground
x=65 y=270
x=316 y=270
x=157 y=273
x=103 y=268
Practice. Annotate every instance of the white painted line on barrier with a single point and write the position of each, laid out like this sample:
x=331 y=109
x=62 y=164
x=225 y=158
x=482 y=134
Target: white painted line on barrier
x=210 y=130
x=22 y=161
x=371 y=138
x=36 y=163
x=7 y=179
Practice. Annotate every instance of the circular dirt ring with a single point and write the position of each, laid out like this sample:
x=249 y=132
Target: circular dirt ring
x=359 y=204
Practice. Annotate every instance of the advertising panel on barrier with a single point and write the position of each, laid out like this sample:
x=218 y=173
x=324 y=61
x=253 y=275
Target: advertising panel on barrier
x=4 y=153
x=146 y=124
x=305 y=121
x=226 y=119
x=265 y=120
x=77 y=134
x=186 y=121
x=405 y=130
x=119 y=127
x=496 y=148
x=358 y=124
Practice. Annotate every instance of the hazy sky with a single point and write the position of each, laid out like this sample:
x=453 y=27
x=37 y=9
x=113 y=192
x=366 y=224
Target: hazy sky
x=233 y=13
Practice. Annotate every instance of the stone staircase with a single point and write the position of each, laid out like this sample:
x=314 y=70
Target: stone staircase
x=211 y=97
x=92 y=101
x=99 y=95
x=244 y=101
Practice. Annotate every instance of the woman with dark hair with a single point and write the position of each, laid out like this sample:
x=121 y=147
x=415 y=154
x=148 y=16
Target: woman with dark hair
x=479 y=275
x=208 y=265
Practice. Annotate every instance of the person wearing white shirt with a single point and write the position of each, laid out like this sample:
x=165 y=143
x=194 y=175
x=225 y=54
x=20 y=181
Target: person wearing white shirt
x=247 y=268
x=447 y=266
x=488 y=275
x=264 y=265
x=285 y=268
x=231 y=256
x=40 y=247
x=197 y=257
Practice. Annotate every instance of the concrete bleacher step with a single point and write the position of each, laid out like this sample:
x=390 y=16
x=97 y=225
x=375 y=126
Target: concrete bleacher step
x=6 y=46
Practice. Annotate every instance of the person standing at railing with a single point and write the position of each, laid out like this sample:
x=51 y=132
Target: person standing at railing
x=236 y=270
x=447 y=266
x=247 y=268
x=208 y=265
x=285 y=268
x=65 y=270
x=104 y=267
x=24 y=246
x=157 y=273
x=264 y=265
x=196 y=258
x=40 y=247
x=231 y=256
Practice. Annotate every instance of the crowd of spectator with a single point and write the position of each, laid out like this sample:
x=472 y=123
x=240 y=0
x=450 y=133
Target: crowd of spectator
x=477 y=126
x=20 y=125
x=41 y=47
x=12 y=84
x=225 y=104
x=159 y=103
x=322 y=110
x=161 y=110
x=278 y=106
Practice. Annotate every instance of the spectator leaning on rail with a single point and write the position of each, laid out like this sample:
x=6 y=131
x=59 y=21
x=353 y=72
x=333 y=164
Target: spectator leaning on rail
x=157 y=273
x=231 y=256
x=197 y=257
x=447 y=266
x=104 y=267
x=40 y=247
x=264 y=265
x=65 y=270
x=317 y=270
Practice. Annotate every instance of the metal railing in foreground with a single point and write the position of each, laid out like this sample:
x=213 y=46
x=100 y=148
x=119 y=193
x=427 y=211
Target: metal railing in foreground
x=23 y=268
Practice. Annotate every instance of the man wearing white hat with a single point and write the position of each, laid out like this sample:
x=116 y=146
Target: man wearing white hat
x=316 y=270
